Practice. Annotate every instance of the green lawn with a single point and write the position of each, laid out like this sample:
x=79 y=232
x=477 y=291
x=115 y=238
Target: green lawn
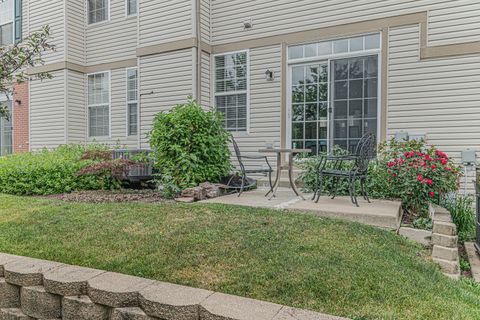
x=298 y=260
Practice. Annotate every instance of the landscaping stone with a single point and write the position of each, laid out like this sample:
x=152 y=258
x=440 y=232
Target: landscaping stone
x=27 y=272
x=421 y=236
x=197 y=193
x=13 y=314
x=444 y=240
x=116 y=290
x=170 y=301
x=474 y=259
x=38 y=303
x=288 y=313
x=213 y=190
x=445 y=228
x=130 y=314
x=4 y=259
x=221 y=306
x=69 y=280
x=9 y=295
x=82 y=308
x=450 y=254
x=450 y=267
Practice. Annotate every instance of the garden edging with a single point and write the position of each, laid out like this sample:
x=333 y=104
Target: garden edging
x=32 y=288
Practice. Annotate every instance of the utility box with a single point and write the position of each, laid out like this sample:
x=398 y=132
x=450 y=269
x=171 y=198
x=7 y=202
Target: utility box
x=469 y=157
x=401 y=136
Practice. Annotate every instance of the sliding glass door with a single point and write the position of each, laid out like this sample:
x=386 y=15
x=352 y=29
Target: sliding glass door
x=6 y=132
x=333 y=103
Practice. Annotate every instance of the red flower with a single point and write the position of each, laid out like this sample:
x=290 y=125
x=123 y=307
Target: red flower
x=431 y=194
x=448 y=169
x=434 y=166
x=420 y=178
x=429 y=182
x=391 y=164
x=444 y=161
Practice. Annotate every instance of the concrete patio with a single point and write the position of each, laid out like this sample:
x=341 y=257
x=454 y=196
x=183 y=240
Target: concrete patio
x=379 y=213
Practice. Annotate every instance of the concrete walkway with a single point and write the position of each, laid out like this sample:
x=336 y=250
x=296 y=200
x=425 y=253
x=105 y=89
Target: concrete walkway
x=379 y=213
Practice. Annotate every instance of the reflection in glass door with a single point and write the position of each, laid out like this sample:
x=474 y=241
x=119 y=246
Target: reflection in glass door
x=354 y=100
x=310 y=107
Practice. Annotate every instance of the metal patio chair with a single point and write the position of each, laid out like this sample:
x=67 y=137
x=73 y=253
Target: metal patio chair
x=364 y=153
x=245 y=181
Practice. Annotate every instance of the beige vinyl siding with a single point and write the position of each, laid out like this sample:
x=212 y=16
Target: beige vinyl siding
x=25 y=19
x=76 y=22
x=264 y=120
x=112 y=40
x=438 y=97
x=49 y=12
x=205 y=20
x=76 y=100
x=206 y=80
x=47 y=112
x=285 y=16
x=164 y=21
x=170 y=77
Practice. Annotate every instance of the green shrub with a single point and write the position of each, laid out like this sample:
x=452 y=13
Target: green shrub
x=423 y=223
x=463 y=215
x=190 y=146
x=52 y=172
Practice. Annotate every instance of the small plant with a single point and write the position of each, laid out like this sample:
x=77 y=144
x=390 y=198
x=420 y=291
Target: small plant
x=190 y=146
x=465 y=265
x=422 y=223
x=463 y=215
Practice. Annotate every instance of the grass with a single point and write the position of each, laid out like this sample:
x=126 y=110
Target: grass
x=326 y=265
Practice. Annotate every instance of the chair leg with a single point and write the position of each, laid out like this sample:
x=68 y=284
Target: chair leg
x=355 y=202
x=364 y=190
x=315 y=190
x=336 y=180
x=242 y=187
x=319 y=188
x=270 y=182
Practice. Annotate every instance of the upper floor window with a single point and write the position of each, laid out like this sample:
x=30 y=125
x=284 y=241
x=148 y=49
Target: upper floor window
x=6 y=22
x=97 y=11
x=231 y=94
x=132 y=7
x=132 y=101
x=99 y=104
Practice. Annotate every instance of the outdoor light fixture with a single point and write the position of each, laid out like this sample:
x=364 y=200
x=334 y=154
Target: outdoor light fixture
x=18 y=102
x=247 y=24
x=269 y=75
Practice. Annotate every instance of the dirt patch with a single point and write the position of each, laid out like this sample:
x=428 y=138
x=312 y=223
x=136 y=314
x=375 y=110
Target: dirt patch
x=124 y=195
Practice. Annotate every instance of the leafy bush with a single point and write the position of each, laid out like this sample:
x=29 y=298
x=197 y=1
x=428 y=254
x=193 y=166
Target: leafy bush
x=463 y=215
x=53 y=172
x=423 y=223
x=419 y=174
x=190 y=146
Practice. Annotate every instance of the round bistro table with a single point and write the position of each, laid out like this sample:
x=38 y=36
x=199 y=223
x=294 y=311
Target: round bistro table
x=280 y=167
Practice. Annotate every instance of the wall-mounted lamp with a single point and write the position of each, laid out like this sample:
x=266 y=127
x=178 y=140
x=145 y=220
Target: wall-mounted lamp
x=247 y=24
x=269 y=75
x=18 y=102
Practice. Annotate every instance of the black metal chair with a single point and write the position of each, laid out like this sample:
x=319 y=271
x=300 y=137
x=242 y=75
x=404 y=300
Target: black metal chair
x=246 y=182
x=364 y=153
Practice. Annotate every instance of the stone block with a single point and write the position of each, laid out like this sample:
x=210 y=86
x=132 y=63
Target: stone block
x=37 y=303
x=450 y=267
x=116 y=290
x=9 y=295
x=474 y=259
x=446 y=228
x=129 y=314
x=449 y=254
x=444 y=241
x=288 y=313
x=170 y=301
x=27 y=272
x=421 y=236
x=69 y=280
x=4 y=259
x=13 y=314
x=198 y=193
x=82 y=308
x=221 y=306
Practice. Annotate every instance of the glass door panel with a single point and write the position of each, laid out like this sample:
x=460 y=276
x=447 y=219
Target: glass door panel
x=309 y=111
x=6 y=132
x=354 y=100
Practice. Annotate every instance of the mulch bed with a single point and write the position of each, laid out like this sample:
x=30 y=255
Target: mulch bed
x=107 y=196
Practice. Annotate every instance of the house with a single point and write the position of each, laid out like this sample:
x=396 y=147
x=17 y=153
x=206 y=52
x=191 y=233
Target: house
x=303 y=73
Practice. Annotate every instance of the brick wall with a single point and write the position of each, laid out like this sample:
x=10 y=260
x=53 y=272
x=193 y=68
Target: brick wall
x=20 y=105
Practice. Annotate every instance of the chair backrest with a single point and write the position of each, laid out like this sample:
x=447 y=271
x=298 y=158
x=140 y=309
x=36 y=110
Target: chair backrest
x=238 y=154
x=365 y=151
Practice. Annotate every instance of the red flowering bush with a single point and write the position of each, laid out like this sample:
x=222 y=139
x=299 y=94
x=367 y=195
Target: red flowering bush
x=419 y=174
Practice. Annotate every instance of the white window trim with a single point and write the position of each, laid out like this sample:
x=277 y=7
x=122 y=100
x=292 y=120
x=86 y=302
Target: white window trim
x=99 y=22
x=214 y=94
x=12 y=22
x=126 y=10
x=131 y=101
x=109 y=77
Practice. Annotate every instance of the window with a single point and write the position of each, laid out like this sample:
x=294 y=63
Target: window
x=231 y=76
x=132 y=102
x=132 y=7
x=6 y=131
x=97 y=11
x=99 y=104
x=6 y=22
